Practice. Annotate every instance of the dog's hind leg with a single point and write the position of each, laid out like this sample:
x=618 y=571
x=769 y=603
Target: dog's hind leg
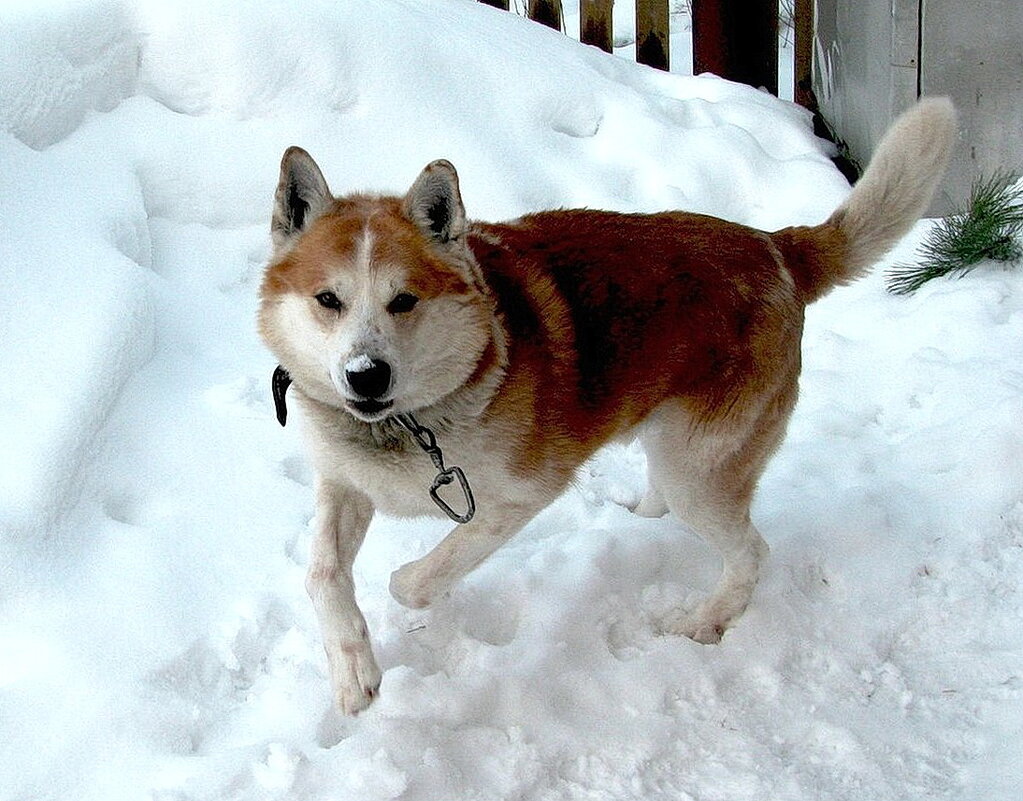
x=342 y=517
x=708 y=477
x=742 y=551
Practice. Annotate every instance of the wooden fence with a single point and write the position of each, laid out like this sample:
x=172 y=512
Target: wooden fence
x=736 y=39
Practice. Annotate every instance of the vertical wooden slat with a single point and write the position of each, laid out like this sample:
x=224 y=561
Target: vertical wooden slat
x=502 y=4
x=738 y=40
x=595 y=26
x=802 y=75
x=546 y=12
x=652 y=33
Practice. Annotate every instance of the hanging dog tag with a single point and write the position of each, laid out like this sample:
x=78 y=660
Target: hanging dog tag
x=449 y=476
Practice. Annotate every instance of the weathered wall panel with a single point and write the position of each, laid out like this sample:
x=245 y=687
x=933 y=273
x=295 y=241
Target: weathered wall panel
x=873 y=57
x=976 y=57
x=856 y=81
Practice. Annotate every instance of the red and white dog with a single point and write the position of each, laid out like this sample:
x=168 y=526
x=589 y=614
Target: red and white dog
x=527 y=345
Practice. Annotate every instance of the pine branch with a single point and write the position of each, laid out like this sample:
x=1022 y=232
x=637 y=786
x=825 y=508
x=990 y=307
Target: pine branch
x=989 y=228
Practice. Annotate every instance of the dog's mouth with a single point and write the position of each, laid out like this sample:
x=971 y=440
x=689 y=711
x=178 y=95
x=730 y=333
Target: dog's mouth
x=370 y=410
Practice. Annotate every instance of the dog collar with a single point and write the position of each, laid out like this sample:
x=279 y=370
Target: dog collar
x=279 y=384
x=422 y=436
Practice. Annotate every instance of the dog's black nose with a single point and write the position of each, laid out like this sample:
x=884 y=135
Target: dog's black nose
x=370 y=379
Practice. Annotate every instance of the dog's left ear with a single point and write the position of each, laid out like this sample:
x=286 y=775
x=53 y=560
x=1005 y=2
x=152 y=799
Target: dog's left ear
x=435 y=204
x=302 y=196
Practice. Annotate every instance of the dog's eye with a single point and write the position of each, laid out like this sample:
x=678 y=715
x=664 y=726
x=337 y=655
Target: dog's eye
x=329 y=300
x=402 y=303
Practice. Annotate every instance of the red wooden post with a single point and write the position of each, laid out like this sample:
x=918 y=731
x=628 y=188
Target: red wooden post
x=652 y=33
x=738 y=40
x=595 y=26
x=547 y=12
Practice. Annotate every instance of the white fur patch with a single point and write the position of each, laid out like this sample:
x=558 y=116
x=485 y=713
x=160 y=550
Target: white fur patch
x=364 y=251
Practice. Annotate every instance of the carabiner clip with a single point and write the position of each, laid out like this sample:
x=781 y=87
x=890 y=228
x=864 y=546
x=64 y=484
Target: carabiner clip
x=449 y=476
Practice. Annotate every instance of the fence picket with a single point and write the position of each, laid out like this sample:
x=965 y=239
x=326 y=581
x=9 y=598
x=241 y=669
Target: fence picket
x=738 y=40
x=652 y=33
x=802 y=22
x=546 y=12
x=595 y=27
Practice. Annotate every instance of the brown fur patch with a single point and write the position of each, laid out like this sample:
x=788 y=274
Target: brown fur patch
x=610 y=315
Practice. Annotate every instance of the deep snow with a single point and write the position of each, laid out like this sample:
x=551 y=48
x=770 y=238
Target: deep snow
x=155 y=637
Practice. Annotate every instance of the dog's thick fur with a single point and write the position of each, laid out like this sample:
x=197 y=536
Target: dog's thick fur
x=527 y=345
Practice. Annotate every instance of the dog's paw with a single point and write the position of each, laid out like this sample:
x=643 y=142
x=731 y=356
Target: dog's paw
x=413 y=587
x=354 y=676
x=651 y=505
x=697 y=626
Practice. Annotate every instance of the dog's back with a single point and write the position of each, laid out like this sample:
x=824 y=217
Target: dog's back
x=692 y=324
x=614 y=313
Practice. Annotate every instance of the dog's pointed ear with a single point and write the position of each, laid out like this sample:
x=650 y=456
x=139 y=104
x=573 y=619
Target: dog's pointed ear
x=434 y=203
x=302 y=196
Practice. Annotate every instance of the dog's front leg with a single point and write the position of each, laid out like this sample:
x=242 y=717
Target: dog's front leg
x=342 y=517
x=421 y=582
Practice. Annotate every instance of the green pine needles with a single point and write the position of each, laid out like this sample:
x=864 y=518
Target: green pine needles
x=989 y=228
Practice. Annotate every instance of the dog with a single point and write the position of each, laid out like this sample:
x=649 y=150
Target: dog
x=518 y=349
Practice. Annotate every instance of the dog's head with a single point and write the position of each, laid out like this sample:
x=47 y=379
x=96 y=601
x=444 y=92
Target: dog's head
x=373 y=304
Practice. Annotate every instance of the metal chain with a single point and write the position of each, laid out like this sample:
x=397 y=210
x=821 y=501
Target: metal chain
x=426 y=440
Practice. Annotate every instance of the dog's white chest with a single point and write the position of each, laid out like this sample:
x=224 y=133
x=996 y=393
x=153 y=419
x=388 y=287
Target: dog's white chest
x=397 y=482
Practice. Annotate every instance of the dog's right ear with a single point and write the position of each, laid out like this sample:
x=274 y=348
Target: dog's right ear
x=302 y=196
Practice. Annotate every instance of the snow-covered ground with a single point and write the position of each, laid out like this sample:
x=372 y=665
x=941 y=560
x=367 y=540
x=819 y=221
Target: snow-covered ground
x=155 y=638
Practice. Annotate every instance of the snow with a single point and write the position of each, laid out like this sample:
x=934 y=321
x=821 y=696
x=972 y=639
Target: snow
x=359 y=364
x=155 y=638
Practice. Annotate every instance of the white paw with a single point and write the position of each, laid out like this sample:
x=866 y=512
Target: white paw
x=707 y=632
x=354 y=676
x=699 y=625
x=652 y=505
x=414 y=586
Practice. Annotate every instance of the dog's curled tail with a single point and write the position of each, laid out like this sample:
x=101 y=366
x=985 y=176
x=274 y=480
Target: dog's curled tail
x=885 y=203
